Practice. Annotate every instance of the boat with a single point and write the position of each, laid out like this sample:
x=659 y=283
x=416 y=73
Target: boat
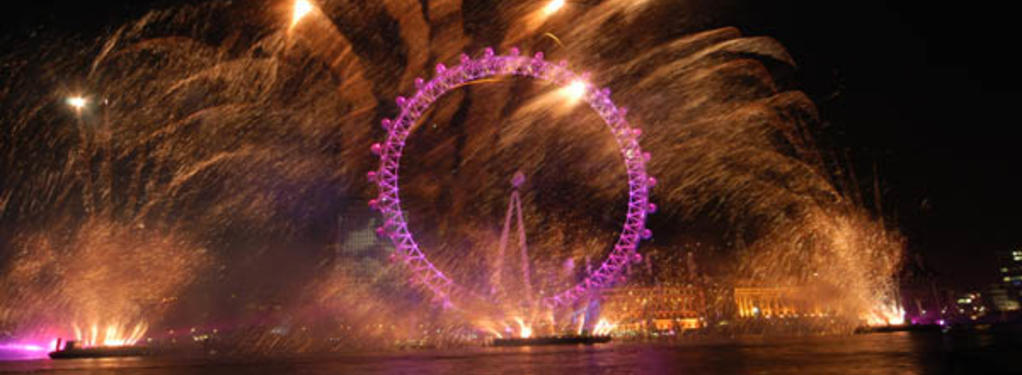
x=551 y=340
x=71 y=350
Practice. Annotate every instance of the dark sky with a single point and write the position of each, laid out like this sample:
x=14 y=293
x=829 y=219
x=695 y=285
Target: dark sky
x=927 y=91
x=923 y=90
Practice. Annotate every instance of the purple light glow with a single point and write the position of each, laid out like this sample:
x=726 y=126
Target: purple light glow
x=489 y=65
x=21 y=351
x=22 y=347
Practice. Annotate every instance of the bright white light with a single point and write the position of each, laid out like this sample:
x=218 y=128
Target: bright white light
x=552 y=7
x=604 y=327
x=302 y=8
x=886 y=315
x=575 y=90
x=77 y=102
x=524 y=330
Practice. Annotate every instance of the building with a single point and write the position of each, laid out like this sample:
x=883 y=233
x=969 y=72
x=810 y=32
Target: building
x=1005 y=296
x=776 y=302
x=1011 y=270
x=1002 y=298
x=655 y=308
x=971 y=306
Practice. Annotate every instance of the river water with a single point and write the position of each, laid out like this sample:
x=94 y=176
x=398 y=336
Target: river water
x=879 y=353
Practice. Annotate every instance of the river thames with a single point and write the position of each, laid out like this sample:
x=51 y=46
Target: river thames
x=880 y=353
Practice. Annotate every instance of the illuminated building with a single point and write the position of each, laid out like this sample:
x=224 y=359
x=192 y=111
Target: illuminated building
x=1006 y=296
x=655 y=308
x=1002 y=298
x=776 y=302
x=970 y=305
x=1011 y=269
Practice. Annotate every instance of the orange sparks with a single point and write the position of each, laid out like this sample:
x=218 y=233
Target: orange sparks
x=113 y=334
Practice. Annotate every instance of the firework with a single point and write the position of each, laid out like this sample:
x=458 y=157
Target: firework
x=215 y=145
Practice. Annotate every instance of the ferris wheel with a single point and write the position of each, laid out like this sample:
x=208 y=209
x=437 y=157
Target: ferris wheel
x=388 y=202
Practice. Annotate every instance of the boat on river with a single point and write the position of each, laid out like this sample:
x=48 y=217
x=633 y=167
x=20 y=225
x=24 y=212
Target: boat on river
x=72 y=350
x=551 y=340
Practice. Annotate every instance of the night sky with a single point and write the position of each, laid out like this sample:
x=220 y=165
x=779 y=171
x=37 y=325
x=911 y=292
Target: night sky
x=927 y=91
x=923 y=91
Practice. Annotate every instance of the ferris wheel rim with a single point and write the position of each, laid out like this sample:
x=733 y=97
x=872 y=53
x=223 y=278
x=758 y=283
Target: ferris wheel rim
x=489 y=65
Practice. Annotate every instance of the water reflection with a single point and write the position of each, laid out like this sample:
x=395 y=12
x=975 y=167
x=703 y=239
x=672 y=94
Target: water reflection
x=890 y=353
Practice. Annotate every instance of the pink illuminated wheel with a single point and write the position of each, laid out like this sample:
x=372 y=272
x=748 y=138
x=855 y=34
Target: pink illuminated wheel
x=489 y=65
